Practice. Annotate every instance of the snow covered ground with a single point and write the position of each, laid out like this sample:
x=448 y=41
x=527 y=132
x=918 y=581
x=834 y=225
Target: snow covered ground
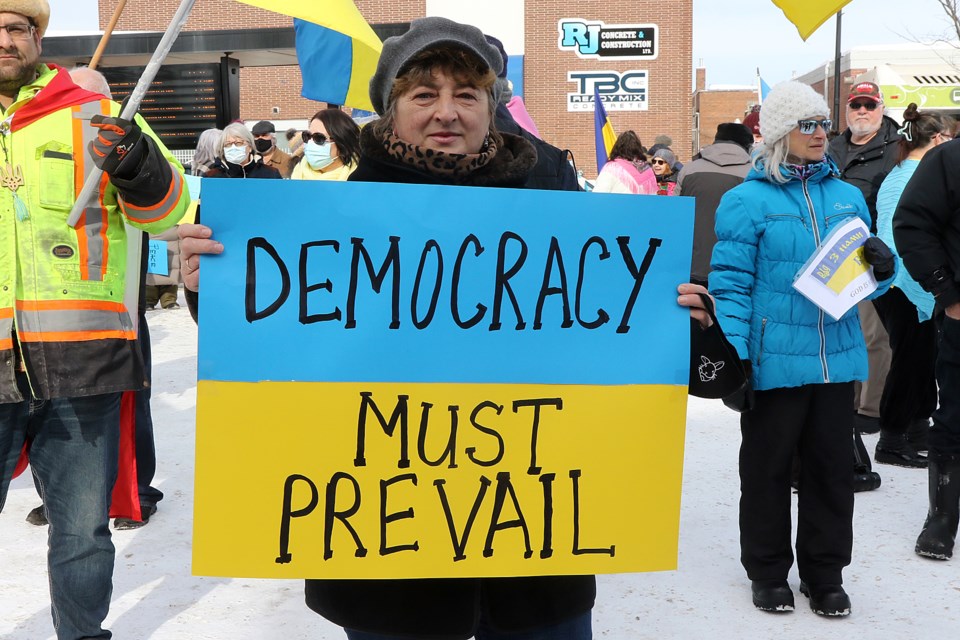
x=895 y=593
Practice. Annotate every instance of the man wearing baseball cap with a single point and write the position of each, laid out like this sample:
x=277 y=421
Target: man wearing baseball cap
x=68 y=347
x=865 y=154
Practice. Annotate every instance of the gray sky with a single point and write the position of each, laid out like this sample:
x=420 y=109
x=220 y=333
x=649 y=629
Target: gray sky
x=732 y=38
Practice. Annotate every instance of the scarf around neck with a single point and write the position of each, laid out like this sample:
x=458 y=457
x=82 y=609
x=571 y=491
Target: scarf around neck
x=440 y=163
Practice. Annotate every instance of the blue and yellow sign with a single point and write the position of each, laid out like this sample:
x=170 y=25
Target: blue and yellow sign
x=402 y=381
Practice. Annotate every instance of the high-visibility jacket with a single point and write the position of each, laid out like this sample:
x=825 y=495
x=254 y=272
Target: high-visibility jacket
x=62 y=288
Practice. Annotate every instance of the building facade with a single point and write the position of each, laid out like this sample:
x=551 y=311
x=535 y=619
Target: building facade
x=648 y=92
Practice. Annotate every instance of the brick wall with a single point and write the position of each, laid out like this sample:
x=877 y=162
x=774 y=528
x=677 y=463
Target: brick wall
x=721 y=106
x=546 y=67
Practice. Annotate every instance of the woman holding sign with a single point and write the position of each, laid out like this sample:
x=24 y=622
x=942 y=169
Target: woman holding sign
x=802 y=361
x=434 y=89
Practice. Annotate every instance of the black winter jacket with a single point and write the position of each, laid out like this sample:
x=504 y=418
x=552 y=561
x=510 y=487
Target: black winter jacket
x=552 y=171
x=865 y=166
x=449 y=608
x=926 y=224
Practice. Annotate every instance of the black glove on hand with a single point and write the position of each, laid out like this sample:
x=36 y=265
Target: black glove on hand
x=878 y=254
x=117 y=150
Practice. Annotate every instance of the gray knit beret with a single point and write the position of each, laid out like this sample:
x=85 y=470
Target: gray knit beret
x=426 y=33
x=787 y=103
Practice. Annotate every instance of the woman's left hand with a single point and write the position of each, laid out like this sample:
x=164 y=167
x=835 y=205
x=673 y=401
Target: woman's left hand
x=689 y=298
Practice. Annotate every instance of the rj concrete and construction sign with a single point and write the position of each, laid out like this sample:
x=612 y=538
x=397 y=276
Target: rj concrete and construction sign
x=593 y=39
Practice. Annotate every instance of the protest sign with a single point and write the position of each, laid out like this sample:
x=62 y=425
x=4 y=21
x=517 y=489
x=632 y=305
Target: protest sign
x=403 y=381
x=157 y=260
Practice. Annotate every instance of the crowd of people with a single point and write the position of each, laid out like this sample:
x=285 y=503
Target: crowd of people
x=767 y=193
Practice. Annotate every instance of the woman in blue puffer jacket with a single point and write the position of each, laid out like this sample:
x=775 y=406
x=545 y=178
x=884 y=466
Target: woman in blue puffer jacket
x=802 y=361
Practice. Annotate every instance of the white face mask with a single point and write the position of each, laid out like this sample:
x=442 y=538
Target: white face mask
x=318 y=155
x=235 y=153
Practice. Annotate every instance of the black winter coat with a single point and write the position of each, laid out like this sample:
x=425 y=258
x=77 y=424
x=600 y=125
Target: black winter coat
x=926 y=224
x=552 y=171
x=866 y=166
x=449 y=608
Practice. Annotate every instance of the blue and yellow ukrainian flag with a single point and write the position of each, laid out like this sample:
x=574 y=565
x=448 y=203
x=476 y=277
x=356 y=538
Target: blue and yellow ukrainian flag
x=808 y=15
x=336 y=49
x=603 y=130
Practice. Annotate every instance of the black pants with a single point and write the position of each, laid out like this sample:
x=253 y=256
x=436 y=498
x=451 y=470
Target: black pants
x=812 y=420
x=945 y=433
x=910 y=391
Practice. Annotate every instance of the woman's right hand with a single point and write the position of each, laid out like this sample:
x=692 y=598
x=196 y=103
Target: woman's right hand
x=194 y=242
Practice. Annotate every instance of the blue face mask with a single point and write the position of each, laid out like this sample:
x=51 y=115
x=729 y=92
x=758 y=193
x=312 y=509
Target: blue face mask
x=318 y=155
x=236 y=154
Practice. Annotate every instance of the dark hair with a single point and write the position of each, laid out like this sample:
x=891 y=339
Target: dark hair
x=342 y=130
x=628 y=147
x=290 y=133
x=919 y=129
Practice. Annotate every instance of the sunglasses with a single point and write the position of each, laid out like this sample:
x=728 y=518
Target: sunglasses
x=318 y=138
x=807 y=127
x=659 y=161
x=869 y=105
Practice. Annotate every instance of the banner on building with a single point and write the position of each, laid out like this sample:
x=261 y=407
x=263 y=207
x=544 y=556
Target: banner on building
x=592 y=39
x=401 y=381
x=618 y=90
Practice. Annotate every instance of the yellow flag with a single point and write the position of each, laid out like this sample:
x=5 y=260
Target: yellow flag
x=808 y=15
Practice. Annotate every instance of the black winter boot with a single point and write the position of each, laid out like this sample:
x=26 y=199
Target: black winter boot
x=895 y=449
x=940 y=529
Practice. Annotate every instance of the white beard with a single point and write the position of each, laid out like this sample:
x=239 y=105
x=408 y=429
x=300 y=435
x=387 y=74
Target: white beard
x=863 y=129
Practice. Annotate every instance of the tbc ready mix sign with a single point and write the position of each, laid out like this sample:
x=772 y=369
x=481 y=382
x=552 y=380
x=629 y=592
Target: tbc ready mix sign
x=619 y=90
x=401 y=381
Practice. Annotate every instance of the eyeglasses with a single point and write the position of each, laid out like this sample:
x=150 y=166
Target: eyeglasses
x=18 y=30
x=869 y=105
x=318 y=138
x=808 y=127
x=659 y=161
x=945 y=135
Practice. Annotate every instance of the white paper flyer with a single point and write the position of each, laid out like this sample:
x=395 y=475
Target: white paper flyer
x=836 y=276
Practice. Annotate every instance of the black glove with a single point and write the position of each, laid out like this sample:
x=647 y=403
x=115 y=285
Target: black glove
x=878 y=254
x=118 y=149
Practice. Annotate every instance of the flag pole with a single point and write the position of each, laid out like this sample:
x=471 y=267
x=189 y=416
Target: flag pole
x=105 y=38
x=133 y=102
x=836 y=79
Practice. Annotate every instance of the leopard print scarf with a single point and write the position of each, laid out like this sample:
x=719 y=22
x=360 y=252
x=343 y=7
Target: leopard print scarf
x=441 y=163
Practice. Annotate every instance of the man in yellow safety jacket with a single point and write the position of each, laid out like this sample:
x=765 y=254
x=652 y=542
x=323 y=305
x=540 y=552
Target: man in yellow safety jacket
x=67 y=344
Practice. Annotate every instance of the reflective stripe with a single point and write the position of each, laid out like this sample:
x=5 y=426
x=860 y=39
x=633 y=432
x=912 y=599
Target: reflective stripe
x=72 y=321
x=6 y=312
x=6 y=329
x=92 y=229
x=67 y=305
x=76 y=336
x=162 y=209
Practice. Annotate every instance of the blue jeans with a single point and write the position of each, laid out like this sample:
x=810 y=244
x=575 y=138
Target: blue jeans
x=74 y=461
x=578 y=628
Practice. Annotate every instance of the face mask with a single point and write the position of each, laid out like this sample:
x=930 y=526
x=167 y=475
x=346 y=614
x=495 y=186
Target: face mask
x=317 y=155
x=235 y=154
x=263 y=144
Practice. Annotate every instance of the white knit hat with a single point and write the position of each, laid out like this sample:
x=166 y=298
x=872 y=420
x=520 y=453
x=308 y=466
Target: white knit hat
x=787 y=103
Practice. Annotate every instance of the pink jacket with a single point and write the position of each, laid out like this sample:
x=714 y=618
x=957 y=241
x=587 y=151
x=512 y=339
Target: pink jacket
x=621 y=176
